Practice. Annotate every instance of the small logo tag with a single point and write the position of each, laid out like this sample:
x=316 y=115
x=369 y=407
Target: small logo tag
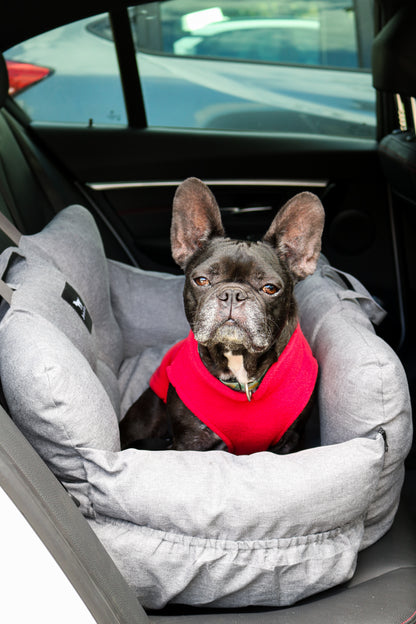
x=71 y=296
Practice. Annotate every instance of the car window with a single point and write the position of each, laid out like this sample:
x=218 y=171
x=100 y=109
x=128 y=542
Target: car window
x=67 y=75
x=277 y=66
x=283 y=41
x=308 y=32
x=289 y=66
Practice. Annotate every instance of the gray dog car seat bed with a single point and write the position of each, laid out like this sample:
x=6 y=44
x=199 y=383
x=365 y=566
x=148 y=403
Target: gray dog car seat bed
x=78 y=345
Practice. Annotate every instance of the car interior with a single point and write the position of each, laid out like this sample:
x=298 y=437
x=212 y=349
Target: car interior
x=368 y=189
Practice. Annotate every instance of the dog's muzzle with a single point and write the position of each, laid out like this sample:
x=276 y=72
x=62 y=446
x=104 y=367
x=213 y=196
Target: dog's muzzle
x=234 y=317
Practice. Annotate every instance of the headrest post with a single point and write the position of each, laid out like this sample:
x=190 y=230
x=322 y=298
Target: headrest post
x=401 y=113
x=413 y=109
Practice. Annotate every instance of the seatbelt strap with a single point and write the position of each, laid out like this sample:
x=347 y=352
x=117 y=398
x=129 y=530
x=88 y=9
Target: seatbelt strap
x=13 y=233
x=6 y=292
x=10 y=229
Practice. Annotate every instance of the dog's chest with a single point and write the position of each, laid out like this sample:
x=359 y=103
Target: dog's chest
x=245 y=426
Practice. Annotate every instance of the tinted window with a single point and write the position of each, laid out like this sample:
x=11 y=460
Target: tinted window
x=81 y=81
x=276 y=66
x=283 y=66
x=308 y=32
x=285 y=43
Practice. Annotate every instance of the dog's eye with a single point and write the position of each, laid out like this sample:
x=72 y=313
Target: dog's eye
x=202 y=281
x=270 y=289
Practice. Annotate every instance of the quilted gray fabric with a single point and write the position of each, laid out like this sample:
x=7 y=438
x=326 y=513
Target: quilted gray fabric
x=200 y=528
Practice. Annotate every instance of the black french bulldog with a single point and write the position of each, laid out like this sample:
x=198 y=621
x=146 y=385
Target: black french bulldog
x=244 y=378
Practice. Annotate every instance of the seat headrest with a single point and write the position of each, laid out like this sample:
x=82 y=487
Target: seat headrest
x=394 y=54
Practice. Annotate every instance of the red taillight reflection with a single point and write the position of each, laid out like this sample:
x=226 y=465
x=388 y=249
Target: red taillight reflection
x=23 y=75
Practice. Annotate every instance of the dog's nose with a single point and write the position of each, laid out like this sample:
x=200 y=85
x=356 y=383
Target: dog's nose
x=232 y=296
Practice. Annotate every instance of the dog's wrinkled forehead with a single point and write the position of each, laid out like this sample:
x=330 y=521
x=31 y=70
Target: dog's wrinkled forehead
x=239 y=261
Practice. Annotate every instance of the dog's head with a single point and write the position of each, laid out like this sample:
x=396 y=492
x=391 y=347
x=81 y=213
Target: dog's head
x=239 y=294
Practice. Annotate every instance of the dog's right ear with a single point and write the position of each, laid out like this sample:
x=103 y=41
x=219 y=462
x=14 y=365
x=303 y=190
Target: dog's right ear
x=196 y=219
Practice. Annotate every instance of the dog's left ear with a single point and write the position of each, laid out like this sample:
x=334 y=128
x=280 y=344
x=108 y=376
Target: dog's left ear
x=296 y=233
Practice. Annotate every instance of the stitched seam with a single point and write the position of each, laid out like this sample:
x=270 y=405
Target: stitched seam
x=377 y=362
x=233 y=545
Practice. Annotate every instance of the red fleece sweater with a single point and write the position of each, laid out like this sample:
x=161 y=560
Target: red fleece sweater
x=245 y=426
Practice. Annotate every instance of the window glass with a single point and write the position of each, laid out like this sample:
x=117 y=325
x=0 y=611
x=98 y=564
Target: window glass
x=239 y=65
x=308 y=32
x=283 y=65
x=68 y=74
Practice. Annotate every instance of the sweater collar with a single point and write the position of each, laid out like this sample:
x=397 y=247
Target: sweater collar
x=250 y=387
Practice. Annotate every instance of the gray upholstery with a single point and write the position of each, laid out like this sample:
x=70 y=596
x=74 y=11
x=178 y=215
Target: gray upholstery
x=201 y=528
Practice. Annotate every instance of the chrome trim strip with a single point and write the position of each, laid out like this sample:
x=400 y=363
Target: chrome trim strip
x=111 y=186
